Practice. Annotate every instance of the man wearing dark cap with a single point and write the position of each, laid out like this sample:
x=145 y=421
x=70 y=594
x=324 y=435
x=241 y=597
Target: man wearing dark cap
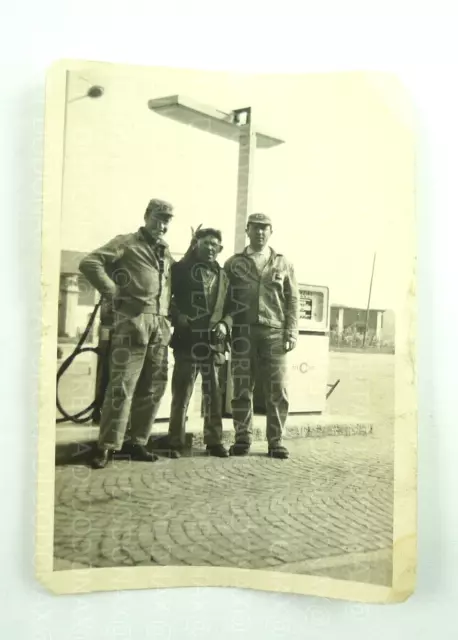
x=200 y=338
x=263 y=304
x=133 y=272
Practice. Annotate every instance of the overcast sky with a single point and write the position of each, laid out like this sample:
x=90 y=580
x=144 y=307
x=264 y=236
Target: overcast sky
x=338 y=190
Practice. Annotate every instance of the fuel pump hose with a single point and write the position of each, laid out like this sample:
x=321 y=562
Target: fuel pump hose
x=84 y=415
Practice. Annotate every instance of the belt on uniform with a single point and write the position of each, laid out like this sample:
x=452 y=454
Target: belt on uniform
x=137 y=306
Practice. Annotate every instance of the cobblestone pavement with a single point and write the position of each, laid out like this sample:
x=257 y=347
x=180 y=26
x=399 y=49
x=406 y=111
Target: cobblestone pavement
x=331 y=498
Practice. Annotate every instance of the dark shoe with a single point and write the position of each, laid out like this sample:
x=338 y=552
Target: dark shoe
x=281 y=453
x=173 y=453
x=101 y=458
x=138 y=453
x=217 y=450
x=239 y=449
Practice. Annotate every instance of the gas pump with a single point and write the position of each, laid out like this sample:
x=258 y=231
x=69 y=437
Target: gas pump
x=308 y=363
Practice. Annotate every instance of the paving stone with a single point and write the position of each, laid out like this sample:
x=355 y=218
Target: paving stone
x=252 y=512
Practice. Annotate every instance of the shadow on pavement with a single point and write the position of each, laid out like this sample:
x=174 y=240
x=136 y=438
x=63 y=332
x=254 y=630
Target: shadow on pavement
x=80 y=453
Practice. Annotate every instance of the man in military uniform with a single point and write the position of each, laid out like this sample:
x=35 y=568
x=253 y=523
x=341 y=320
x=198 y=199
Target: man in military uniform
x=199 y=287
x=263 y=303
x=133 y=272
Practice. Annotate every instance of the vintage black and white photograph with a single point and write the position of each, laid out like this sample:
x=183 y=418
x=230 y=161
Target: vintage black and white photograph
x=228 y=284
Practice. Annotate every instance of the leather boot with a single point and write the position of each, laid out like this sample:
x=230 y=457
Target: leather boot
x=239 y=449
x=280 y=452
x=101 y=458
x=138 y=453
x=217 y=450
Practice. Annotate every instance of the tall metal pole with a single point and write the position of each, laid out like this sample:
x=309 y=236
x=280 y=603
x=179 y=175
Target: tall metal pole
x=247 y=147
x=369 y=302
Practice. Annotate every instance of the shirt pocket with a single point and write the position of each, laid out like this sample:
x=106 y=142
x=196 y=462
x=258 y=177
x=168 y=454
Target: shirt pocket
x=277 y=278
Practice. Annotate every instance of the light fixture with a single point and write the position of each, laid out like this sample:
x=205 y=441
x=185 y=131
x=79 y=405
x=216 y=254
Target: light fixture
x=209 y=119
x=95 y=91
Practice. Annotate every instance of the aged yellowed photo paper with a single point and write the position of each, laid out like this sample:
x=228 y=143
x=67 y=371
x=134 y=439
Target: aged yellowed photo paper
x=228 y=358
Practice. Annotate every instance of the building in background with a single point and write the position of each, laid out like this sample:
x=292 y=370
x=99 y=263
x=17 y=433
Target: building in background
x=77 y=298
x=348 y=324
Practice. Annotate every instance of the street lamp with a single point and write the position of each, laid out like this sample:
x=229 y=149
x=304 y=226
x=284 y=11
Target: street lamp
x=236 y=126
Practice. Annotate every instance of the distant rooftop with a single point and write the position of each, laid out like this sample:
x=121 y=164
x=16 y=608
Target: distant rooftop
x=336 y=305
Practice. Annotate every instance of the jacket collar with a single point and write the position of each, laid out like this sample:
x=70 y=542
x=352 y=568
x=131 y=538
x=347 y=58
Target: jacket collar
x=271 y=254
x=266 y=251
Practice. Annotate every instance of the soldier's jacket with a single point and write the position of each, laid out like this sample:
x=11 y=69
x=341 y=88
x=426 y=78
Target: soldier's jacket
x=141 y=268
x=269 y=297
x=202 y=308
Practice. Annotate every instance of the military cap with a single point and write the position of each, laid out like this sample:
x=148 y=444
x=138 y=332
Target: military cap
x=160 y=208
x=259 y=218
